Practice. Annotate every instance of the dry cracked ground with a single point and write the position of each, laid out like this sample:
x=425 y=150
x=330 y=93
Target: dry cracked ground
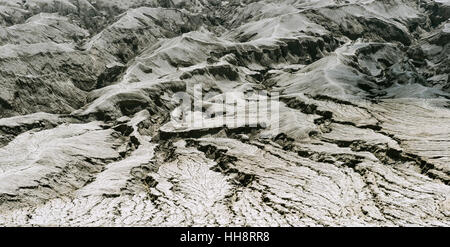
x=92 y=132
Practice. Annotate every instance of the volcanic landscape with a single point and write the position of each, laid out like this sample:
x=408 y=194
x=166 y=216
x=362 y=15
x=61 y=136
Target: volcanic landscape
x=93 y=131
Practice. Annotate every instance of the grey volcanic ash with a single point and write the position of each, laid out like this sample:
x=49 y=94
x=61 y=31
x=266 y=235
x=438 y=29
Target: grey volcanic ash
x=225 y=113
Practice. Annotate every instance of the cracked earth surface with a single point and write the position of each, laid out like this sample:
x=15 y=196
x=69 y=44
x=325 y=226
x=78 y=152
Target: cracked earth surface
x=91 y=132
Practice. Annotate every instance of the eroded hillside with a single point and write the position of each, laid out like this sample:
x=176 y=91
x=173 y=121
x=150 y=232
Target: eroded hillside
x=93 y=131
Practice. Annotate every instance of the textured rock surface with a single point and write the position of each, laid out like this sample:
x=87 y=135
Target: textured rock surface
x=92 y=132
